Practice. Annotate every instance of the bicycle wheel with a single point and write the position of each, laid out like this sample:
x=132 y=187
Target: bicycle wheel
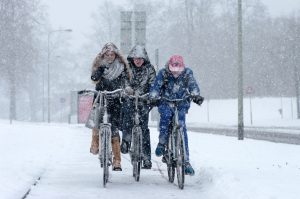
x=180 y=159
x=132 y=152
x=105 y=155
x=137 y=152
x=170 y=160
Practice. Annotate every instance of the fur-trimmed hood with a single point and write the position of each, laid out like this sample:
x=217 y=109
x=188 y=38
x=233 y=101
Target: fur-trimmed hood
x=99 y=60
x=138 y=51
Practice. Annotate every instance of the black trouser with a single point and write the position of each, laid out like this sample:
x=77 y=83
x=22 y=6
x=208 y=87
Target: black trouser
x=128 y=110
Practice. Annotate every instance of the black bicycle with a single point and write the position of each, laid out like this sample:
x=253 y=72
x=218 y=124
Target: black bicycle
x=175 y=154
x=136 y=148
x=105 y=154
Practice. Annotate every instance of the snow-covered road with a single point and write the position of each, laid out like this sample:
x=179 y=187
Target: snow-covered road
x=225 y=167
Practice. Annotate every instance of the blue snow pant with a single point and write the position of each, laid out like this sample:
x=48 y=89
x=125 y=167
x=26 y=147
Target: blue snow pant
x=128 y=115
x=166 y=116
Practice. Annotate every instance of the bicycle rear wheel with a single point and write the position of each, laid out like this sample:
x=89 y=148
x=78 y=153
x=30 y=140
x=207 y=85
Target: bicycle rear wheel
x=105 y=154
x=137 y=152
x=180 y=160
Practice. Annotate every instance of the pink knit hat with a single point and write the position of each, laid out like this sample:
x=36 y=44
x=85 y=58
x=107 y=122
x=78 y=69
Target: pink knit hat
x=176 y=63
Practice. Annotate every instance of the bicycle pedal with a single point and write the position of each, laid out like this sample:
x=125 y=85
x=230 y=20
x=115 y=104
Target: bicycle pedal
x=117 y=169
x=164 y=159
x=143 y=167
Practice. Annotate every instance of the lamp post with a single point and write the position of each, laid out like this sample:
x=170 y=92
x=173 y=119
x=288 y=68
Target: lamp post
x=295 y=63
x=48 y=66
x=240 y=74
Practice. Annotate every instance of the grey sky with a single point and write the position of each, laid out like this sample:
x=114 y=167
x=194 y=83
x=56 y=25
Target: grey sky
x=77 y=14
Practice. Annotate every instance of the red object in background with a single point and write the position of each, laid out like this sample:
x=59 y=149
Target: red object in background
x=85 y=103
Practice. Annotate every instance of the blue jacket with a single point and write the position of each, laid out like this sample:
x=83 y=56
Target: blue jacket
x=166 y=85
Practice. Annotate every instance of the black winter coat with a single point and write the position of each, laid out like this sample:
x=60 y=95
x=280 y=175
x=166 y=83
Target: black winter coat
x=110 y=85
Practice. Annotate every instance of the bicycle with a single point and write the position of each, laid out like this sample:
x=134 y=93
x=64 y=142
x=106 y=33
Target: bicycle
x=105 y=154
x=175 y=153
x=136 y=148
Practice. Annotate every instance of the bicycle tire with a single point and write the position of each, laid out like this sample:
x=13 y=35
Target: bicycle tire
x=180 y=160
x=170 y=161
x=105 y=156
x=137 y=152
x=139 y=156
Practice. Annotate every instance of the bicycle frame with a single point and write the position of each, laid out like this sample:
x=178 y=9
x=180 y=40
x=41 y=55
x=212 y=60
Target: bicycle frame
x=136 y=149
x=175 y=133
x=176 y=153
x=105 y=154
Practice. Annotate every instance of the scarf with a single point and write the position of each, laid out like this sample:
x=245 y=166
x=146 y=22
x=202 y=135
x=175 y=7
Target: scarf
x=113 y=70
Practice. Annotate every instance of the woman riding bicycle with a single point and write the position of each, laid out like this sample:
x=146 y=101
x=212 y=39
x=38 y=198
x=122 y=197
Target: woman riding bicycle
x=110 y=72
x=143 y=74
x=174 y=81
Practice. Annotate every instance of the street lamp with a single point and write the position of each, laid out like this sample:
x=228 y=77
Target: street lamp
x=48 y=67
x=240 y=74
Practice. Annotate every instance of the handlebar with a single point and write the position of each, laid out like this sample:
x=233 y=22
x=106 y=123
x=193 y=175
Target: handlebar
x=177 y=101
x=189 y=96
x=144 y=96
x=105 y=92
x=112 y=92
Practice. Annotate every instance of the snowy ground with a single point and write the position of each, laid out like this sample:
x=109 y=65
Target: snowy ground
x=265 y=112
x=225 y=167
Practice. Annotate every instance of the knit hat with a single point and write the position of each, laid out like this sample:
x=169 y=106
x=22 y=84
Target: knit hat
x=176 y=63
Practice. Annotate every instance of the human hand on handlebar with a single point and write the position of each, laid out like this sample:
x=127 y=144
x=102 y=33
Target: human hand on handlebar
x=129 y=91
x=153 y=101
x=198 y=99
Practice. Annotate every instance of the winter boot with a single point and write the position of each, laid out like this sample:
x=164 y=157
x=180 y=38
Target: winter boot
x=160 y=149
x=189 y=169
x=116 y=165
x=125 y=146
x=95 y=142
x=147 y=164
x=165 y=158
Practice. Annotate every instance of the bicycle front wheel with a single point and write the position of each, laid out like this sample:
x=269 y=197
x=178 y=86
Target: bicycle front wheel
x=180 y=160
x=170 y=160
x=105 y=154
x=137 y=152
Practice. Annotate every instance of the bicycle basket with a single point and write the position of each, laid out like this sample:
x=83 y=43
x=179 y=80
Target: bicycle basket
x=93 y=119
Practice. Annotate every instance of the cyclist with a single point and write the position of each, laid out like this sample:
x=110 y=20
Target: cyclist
x=110 y=71
x=174 y=82
x=143 y=75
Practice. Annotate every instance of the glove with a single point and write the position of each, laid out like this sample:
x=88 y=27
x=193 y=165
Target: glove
x=153 y=102
x=129 y=90
x=97 y=74
x=198 y=99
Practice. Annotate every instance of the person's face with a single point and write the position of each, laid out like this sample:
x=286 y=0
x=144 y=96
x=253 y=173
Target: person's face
x=138 y=62
x=110 y=56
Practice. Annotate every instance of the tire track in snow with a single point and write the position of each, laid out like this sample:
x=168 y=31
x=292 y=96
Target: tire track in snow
x=158 y=169
x=37 y=180
x=162 y=173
